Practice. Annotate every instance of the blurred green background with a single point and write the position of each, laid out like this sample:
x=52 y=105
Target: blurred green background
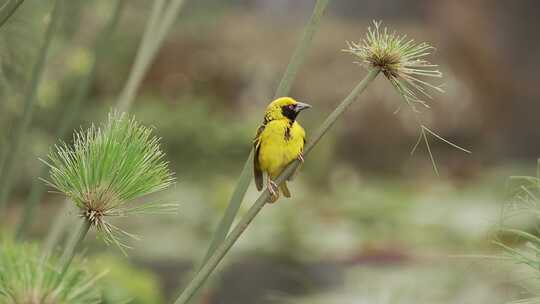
x=368 y=222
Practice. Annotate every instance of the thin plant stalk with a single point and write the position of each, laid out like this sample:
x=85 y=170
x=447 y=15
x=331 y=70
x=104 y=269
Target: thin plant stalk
x=283 y=89
x=160 y=21
x=159 y=25
x=8 y=9
x=226 y=245
x=73 y=244
x=141 y=58
x=6 y=181
x=70 y=114
x=55 y=233
x=299 y=54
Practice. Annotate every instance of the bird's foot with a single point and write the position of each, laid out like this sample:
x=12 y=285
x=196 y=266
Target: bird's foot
x=300 y=158
x=273 y=190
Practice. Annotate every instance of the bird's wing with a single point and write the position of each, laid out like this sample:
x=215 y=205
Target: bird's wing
x=256 y=166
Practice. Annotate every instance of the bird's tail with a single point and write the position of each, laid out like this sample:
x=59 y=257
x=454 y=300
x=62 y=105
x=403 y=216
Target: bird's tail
x=285 y=190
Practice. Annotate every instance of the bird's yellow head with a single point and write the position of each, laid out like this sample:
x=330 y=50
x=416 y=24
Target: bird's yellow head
x=284 y=108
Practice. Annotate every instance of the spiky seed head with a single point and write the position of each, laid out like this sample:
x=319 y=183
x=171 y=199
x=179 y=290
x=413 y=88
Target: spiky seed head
x=106 y=168
x=25 y=278
x=401 y=60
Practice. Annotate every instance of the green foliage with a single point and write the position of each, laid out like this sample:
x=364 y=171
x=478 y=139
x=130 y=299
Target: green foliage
x=107 y=168
x=24 y=278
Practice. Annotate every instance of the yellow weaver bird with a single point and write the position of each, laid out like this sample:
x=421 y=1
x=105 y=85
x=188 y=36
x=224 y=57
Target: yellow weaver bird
x=279 y=141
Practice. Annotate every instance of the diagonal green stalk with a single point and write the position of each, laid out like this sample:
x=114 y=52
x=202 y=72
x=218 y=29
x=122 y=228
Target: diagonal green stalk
x=283 y=89
x=8 y=9
x=70 y=115
x=73 y=244
x=6 y=181
x=299 y=54
x=226 y=245
x=160 y=22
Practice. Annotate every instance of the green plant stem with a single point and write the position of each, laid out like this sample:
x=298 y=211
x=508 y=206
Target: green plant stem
x=70 y=114
x=226 y=245
x=56 y=231
x=283 y=89
x=6 y=181
x=8 y=9
x=234 y=205
x=142 y=58
x=160 y=22
x=73 y=244
x=299 y=54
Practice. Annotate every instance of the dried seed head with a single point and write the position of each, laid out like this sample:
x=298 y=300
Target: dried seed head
x=400 y=60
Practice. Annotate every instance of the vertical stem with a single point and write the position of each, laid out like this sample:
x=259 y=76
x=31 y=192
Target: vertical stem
x=233 y=207
x=6 y=181
x=69 y=116
x=283 y=89
x=141 y=58
x=299 y=54
x=73 y=244
x=161 y=21
x=235 y=234
x=8 y=9
x=55 y=232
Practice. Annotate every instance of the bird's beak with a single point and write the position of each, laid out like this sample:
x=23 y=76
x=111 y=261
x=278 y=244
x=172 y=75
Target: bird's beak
x=302 y=106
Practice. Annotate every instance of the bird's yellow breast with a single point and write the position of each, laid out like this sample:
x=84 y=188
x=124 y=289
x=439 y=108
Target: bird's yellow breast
x=280 y=143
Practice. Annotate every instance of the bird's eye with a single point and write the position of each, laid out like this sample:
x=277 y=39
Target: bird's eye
x=291 y=107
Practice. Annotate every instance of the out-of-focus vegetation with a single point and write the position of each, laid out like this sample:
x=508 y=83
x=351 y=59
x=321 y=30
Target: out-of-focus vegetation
x=368 y=222
x=25 y=278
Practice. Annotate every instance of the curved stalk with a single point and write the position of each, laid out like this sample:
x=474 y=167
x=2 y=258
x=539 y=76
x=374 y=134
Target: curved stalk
x=226 y=245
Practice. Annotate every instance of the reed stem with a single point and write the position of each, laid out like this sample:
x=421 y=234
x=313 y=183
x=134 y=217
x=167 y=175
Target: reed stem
x=283 y=89
x=226 y=245
x=160 y=22
x=8 y=10
x=73 y=244
x=7 y=177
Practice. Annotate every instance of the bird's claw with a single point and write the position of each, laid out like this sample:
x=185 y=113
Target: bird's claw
x=300 y=158
x=273 y=190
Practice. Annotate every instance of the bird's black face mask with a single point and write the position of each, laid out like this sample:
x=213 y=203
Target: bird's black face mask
x=292 y=110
